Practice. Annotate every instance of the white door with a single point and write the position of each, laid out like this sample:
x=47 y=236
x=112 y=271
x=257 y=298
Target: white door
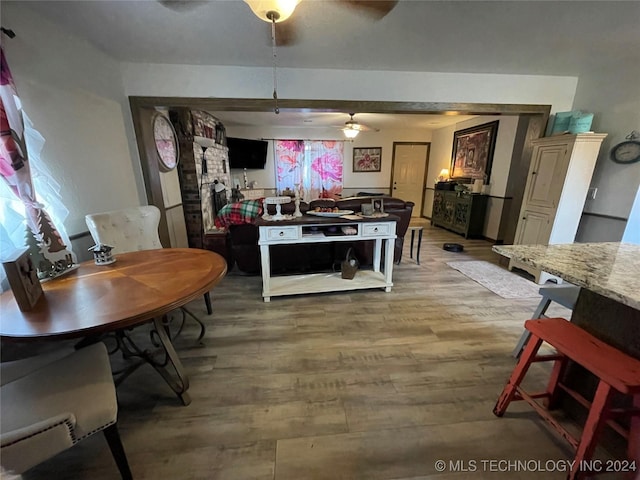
x=409 y=167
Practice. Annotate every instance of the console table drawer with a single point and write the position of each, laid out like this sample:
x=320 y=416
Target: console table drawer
x=282 y=233
x=376 y=229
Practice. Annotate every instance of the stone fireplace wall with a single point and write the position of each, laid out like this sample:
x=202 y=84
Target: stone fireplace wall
x=196 y=129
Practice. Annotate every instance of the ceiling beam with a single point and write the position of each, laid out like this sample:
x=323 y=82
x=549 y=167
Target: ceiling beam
x=343 y=106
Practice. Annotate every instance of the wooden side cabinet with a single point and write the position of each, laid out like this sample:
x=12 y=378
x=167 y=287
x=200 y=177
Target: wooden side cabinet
x=462 y=213
x=555 y=193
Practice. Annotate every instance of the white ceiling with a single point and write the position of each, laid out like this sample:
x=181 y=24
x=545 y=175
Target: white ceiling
x=509 y=37
x=517 y=37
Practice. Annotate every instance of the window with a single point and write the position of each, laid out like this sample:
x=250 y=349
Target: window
x=315 y=166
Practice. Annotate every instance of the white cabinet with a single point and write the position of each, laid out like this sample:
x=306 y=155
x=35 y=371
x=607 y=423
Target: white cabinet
x=556 y=189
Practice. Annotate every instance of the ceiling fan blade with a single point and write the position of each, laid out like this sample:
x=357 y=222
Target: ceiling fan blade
x=375 y=9
x=287 y=33
x=182 y=5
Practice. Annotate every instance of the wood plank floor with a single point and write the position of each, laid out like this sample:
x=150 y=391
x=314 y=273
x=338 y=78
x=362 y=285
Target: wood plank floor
x=357 y=385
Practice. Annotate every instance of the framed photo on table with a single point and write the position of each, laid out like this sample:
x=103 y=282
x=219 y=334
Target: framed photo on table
x=472 y=154
x=367 y=159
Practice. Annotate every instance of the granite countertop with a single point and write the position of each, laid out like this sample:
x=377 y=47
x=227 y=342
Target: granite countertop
x=610 y=269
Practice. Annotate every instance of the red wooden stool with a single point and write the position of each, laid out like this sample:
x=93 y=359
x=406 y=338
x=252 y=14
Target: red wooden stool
x=616 y=371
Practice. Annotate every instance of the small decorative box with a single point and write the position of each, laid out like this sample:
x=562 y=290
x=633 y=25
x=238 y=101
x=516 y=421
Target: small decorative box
x=23 y=279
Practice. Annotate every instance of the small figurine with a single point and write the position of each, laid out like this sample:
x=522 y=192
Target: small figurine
x=102 y=254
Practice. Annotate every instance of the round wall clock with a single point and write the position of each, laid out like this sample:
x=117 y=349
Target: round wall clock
x=166 y=142
x=626 y=152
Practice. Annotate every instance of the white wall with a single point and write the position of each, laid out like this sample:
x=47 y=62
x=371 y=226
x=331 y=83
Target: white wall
x=248 y=82
x=73 y=93
x=613 y=96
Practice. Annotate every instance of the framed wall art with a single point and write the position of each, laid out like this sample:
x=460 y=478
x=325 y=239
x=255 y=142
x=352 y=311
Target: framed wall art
x=472 y=154
x=367 y=159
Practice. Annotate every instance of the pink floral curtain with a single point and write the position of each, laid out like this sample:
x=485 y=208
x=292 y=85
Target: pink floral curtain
x=315 y=167
x=48 y=250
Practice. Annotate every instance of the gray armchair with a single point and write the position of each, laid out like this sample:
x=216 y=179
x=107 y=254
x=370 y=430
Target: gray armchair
x=51 y=402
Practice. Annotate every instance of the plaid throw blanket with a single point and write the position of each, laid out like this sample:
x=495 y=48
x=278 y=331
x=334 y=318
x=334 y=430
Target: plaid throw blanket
x=238 y=213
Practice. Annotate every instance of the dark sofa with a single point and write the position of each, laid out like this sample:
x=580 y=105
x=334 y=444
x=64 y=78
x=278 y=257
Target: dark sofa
x=319 y=256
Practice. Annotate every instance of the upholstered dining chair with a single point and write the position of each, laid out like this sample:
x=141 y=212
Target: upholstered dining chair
x=51 y=402
x=133 y=229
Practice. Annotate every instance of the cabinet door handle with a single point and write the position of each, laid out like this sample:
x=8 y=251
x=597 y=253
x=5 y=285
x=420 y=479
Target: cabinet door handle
x=533 y=173
x=281 y=234
x=524 y=218
x=375 y=229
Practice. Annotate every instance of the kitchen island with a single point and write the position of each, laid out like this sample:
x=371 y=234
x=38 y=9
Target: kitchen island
x=608 y=305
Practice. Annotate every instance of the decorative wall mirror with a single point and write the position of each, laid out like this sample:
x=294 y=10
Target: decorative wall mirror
x=166 y=141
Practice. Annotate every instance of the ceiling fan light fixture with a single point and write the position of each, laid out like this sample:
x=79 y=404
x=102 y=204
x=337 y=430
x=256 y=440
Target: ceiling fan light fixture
x=272 y=10
x=350 y=132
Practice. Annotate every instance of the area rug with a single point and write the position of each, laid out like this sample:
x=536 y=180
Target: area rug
x=497 y=279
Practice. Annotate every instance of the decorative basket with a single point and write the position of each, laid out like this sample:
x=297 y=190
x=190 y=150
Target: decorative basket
x=349 y=265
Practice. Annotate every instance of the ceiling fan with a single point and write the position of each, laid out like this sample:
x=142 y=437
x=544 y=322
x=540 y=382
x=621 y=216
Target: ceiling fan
x=288 y=32
x=352 y=128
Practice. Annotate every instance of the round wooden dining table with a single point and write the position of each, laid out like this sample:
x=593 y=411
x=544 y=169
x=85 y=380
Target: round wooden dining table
x=139 y=287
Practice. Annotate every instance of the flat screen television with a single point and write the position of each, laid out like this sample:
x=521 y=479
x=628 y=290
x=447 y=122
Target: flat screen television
x=245 y=153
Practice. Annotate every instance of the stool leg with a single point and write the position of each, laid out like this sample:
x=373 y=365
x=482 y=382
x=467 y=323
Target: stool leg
x=595 y=421
x=517 y=375
x=524 y=338
x=419 y=243
x=552 y=387
x=542 y=307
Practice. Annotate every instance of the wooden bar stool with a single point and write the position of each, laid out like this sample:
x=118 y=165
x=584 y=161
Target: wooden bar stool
x=615 y=370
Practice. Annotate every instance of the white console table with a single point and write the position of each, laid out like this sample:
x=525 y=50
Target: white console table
x=309 y=229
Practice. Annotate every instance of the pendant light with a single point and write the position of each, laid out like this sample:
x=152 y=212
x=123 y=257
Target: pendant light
x=350 y=132
x=273 y=11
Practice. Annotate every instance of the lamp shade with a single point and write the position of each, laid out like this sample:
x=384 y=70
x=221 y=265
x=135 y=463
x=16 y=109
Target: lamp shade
x=444 y=174
x=268 y=10
x=350 y=132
